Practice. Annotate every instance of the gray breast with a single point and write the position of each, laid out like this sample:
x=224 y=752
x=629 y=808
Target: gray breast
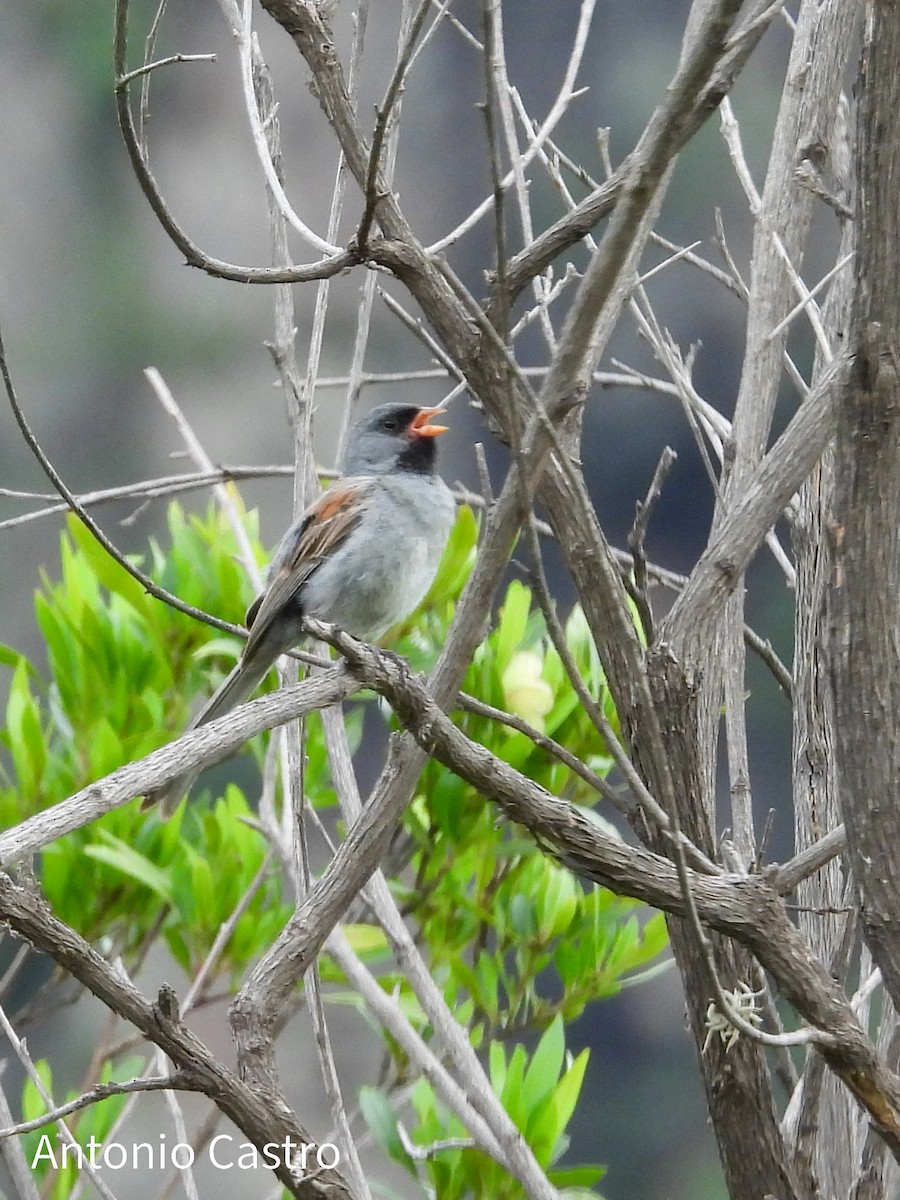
x=389 y=562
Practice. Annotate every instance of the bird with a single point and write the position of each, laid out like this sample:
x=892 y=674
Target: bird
x=362 y=556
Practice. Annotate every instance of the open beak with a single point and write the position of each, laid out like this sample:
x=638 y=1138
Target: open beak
x=421 y=422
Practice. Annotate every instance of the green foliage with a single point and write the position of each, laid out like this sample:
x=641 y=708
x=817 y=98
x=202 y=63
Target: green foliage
x=519 y=946
x=123 y=673
x=539 y=1093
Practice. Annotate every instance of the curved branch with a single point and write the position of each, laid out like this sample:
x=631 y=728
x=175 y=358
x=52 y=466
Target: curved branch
x=744 y=907
x=570 y=229
x=208 y=744
x=72 y=502
x=263 y=1116
x=194 y=256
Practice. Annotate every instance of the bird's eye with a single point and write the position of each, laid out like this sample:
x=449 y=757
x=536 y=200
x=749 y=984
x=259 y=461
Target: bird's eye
x=390 y=424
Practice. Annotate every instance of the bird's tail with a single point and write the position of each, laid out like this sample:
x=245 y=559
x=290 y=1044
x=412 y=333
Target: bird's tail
x=234 y=690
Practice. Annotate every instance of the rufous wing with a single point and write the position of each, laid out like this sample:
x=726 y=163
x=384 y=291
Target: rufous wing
x=319 y=531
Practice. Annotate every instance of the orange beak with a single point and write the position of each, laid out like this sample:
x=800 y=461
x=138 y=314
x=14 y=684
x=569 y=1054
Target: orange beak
x=421 y=422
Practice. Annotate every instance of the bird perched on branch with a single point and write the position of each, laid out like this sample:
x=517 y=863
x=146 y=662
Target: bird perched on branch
x=362 y=556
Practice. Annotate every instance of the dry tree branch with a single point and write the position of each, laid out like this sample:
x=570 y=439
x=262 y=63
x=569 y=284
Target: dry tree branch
x=194 y=256
x=783 y=215
x=576 y=355
x=370 y=287
x=376 y=181
x=88 y=521
x=263 y=1116
x=65 y=1134
x=650 y=807
x=566 y=757
x=637 y=536
x=153 y=1083
x=150 y=42
x=242 y=25
x=504 y=1140
x=205 y=464
x=864 y=617
x=570 y=229
x=557 y=111
x=202 y=746
x=12 y=1155
x=763 y=498
x=811 y=859
x=147 y=489
x=745 y=908
x=391 y=1016
x=130 y=76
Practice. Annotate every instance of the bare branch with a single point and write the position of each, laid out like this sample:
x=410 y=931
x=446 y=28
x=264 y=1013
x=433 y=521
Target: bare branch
x=743 y=907
x=762 y=501
x=638 y=533
x=130 y=76
x=153 y=1083
x=88 y=521
x=263 y=1116
x=210 y=743
x=195 y=257
x=571 y=228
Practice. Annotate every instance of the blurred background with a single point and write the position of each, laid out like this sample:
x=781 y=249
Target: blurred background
x=92 y=292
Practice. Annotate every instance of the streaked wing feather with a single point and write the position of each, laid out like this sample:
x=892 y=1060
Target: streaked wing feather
x=320 y=530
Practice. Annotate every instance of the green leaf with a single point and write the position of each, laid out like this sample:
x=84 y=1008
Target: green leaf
x=458 y=556
x=521 y=912
x=546 y=1064
x=488 y=984
x=655 y=935
x=513 y=1092
x=204 y=890
x=558 y=902
x=24 y=732
x=33 y=1105
x=513 y=621
x=125 y=858
x=565 y=1097
x=497 y=1067
x=648 y=973
x=111 y=574
x=379 y=1115
x=12 y=658
x=106 y=751
x=220 y=647
x=368 y=941
x=576 y=1178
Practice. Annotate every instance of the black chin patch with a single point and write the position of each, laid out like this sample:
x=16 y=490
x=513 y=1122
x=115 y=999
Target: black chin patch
x=419 y=454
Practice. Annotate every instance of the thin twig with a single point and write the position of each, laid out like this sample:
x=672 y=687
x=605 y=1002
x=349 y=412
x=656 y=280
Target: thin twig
x=12 y=1155
x=205 y=464
x=129 y=76
x=596 y=714
x=638 y=533
x=723 y=1001
x=375 y=186
x=65 y=1134
x=245 y=38
x=591 y=778
x=88 y=521
x=325 y=268
x=557 y=111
